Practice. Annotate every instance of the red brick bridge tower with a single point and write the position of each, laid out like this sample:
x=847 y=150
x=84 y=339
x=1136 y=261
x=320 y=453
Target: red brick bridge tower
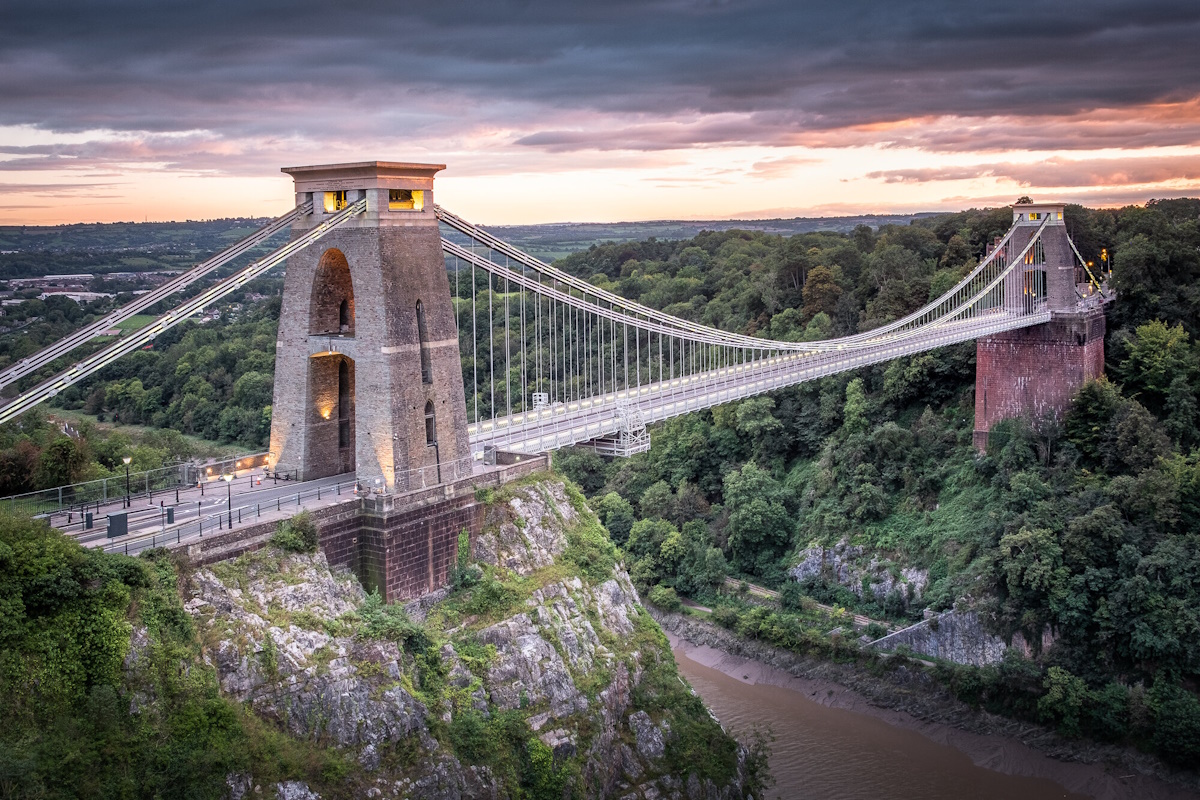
x=1035 y=371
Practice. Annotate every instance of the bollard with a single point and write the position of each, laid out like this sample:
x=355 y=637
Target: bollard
x=277 y=504
x=176 y=495
x=318 y=492
x=239 y=516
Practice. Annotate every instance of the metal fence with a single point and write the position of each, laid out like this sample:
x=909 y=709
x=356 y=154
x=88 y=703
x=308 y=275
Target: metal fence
x=220 y=521
x=211 y=469
x=77 y=497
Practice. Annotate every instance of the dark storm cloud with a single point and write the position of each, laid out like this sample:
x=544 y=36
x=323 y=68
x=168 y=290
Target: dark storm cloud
x=780 y=72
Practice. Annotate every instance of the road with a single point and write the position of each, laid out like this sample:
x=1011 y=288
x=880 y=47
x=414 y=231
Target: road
x=247 y=499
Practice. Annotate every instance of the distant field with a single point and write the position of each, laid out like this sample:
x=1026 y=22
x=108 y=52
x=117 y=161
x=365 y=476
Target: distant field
x=136 y=322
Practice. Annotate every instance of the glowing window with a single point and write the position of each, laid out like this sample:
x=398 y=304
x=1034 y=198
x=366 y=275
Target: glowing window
x=1034 y=216
x=334 y=201
x=1060 y=215
x=406 y=200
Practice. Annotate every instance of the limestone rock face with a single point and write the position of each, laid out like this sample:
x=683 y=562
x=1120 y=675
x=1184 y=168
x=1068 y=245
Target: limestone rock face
x=318 y=685
x=286 y=637
x=959 y=636
x=529 y=670
x=528 y=532
x=844 y=564
x=649 y=736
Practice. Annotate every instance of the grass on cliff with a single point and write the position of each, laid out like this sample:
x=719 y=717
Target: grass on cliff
x=83 y=721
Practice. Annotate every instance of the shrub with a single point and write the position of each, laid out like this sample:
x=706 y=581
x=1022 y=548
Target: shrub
x=383 y=621
x=665 y=598
x=491 y=595
x=791 y=597
x=297 y=535
x=464 y=574
x=1176 y=724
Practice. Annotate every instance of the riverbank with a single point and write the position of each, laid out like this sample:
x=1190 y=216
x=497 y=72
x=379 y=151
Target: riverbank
x=908 y=698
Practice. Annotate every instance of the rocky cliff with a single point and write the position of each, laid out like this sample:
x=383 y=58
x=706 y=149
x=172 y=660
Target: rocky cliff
x=539 y=674
x=852 y=567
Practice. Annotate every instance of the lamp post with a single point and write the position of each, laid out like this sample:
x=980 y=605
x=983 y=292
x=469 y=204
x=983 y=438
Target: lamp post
x=228 y=478
x=127 y=459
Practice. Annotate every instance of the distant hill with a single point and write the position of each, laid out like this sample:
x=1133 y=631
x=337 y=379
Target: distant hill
x=554 y=240
x=547 y=241
x=144 y=236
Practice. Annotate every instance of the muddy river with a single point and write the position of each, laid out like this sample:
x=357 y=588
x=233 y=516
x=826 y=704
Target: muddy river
x=830 y=745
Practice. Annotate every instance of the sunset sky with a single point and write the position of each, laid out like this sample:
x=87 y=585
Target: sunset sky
x=598 y=111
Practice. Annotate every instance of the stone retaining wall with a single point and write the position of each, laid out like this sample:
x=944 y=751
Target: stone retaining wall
x=402 y=545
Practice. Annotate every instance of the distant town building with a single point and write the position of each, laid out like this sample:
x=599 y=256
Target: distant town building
x=78 y=279
x=79 y=297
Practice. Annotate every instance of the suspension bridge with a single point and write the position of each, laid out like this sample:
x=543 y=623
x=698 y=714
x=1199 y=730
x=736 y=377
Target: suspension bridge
x=414 y=346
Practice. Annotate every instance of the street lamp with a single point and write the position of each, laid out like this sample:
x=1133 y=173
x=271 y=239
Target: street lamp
x=228 y=478
x=127 y=459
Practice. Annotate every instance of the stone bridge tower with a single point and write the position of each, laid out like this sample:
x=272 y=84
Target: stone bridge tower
x=1035 y=371
x=367 y=368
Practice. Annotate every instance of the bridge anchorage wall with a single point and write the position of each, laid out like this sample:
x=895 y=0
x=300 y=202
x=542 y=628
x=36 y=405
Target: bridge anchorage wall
x=401 y=545
x=1034 y=372
x=368 y=375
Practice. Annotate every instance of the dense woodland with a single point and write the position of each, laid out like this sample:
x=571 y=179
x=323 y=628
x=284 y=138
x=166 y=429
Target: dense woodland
x=1088 y=526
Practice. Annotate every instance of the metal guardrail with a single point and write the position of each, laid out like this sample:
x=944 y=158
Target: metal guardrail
x=78 y=496
x=225 y=519
x=212 y=469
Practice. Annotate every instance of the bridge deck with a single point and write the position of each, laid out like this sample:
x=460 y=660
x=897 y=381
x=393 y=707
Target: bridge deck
x=564 y=424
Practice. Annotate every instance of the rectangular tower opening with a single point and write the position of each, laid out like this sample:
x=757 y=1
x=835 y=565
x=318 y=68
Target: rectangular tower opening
x=406 y=200
x=334 y=201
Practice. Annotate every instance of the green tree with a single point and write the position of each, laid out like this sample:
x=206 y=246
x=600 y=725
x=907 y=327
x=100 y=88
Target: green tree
x=821 y=292
x=1087 y=420
x=60 y=463
x=583 y=466
x=1156 y=356
x=617 y=515
x=760 y=527
x=855 y=418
